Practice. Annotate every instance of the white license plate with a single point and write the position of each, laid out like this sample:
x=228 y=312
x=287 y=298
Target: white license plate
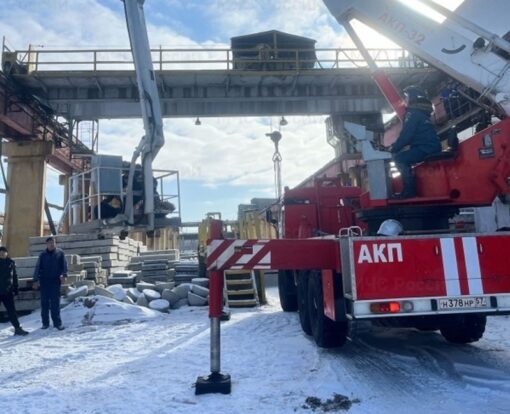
x=463 y=303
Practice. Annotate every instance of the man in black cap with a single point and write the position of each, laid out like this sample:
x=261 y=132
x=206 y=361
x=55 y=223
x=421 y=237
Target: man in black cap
x=9 y=289
x=50 y=272
x=416 y=141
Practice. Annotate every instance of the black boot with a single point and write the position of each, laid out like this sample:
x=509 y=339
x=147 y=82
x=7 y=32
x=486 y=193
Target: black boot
x=20 y=331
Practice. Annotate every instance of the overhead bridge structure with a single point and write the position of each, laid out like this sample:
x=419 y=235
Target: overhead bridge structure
x=95 y=84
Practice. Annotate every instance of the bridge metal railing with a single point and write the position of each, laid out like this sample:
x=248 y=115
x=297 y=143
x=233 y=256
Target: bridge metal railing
x=35 y=59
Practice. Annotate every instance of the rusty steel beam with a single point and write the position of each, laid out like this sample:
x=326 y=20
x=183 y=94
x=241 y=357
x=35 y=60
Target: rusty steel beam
x=19 y=121
x=61 y=161
x=12 y=124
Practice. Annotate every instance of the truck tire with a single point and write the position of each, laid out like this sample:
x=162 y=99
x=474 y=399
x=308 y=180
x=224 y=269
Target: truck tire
x=302 y=298
x=463 y=329
x=427 y=324
x=327 y=333
x=287 y=290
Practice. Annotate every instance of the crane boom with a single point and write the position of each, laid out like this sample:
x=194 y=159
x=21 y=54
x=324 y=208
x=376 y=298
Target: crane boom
x=444 y=45
x=153 y=139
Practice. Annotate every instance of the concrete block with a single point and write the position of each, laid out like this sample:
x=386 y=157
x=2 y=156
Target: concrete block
x=25 y=283
x=200 y=291
x=25 y=272
x=128 y=300
x=180 y=303
x=154 y=266
x=28 y=261
x=160 y=286
x=142 y=301
x=103 y=292
x=182 y=278
x=182 y=290
x=170 y=296
x=68 y=237
x=144 y=285
x=75 y=267
x=97 y=251
x=161 y=305
x=201 y=281
x=160 y=252
x=134 y=293
x=195 y=300
x=129 y=281
x=28 y=295
x=151 y=294
x=118 y=292
x=91 y=285
x=72 y=294
x=85 y=259
x=122 y=274
x=73 y=277
x=157 y=257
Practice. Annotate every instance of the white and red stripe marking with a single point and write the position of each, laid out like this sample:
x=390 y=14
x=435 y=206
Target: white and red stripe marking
x=239 y=254
x=461 y=266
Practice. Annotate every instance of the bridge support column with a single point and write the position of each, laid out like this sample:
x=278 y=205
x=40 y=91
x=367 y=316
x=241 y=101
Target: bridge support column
x=24 y=203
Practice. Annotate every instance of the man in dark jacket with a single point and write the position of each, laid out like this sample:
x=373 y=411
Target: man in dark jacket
x=418 y=134
x=50 y=272
x=9 y=289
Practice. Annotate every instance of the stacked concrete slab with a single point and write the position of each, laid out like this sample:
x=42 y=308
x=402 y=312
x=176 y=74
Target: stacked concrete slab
x=115 y=253
x=155 y=266
x=95 y=271
x=126 y=278
x=172 y=254
x=185 y=271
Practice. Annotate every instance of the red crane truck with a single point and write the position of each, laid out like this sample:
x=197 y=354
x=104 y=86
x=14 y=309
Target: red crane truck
x=333 y=267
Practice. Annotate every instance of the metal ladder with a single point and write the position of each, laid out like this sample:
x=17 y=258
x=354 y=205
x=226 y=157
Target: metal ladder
x=241 y=288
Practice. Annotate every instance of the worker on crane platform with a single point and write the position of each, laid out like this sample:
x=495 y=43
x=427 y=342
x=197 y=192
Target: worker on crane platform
x=418 y=135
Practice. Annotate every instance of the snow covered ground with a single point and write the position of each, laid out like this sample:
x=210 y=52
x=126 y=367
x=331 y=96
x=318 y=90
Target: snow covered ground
x=123 y=359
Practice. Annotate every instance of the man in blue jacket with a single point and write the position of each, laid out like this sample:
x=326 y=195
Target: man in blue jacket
x=50 y=272
x=418 y=134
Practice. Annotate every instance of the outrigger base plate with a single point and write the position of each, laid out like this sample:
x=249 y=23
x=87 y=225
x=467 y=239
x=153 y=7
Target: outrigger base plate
x=215 y=383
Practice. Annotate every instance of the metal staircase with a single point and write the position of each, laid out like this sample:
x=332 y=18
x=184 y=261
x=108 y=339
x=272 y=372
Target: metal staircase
x=241 y=288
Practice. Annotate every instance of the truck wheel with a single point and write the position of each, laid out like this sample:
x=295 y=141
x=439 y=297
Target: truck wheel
x=327 y=333
x=463 y=329
x=302 y=299
x=287 y=290
x=427 y=324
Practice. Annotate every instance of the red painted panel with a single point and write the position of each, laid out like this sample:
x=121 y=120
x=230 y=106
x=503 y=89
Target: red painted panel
x=297 y=254
x=494 y=264
x=389 y=268
x=328 y=294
